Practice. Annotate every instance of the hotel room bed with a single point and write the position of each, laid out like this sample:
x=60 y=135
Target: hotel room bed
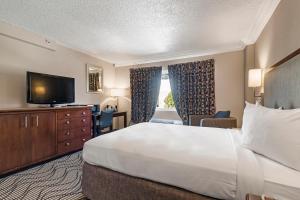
x=175 y=162
x=102 y=183
x=169 y=154
x=204 y=162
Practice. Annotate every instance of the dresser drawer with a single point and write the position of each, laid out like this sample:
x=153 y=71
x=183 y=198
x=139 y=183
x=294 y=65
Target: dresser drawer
x=73 y=123
x=72 y=145
x=73 y=114
x=68 y=146
x=67 y=134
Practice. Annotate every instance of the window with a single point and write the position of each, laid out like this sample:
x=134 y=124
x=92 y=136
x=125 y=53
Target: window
x=165 y=99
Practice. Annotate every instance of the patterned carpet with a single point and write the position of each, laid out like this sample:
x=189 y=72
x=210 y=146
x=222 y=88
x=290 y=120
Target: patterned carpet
x=57 y=179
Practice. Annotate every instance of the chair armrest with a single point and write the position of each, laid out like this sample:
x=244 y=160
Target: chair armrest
x=195 y=120
x=219 y=122
x=256 y=197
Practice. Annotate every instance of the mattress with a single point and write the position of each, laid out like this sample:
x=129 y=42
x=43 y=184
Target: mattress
x=201 y=160
x=279 y=181
x=207 y=161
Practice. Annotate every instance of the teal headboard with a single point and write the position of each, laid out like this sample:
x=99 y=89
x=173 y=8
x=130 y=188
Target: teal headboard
x=282 y=83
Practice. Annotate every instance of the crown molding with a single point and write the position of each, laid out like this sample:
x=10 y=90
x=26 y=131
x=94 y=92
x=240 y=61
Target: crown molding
x=179 y=57
x=261 y=19
x=264 y=14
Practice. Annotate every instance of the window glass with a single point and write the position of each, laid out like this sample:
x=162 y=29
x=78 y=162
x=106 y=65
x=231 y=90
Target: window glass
x=165 y=99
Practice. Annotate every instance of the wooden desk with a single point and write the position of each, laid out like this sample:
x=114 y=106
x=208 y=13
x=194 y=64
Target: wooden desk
x=115 y=114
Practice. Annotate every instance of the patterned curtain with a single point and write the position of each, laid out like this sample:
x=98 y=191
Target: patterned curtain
x=193 y=88
x=145 y=85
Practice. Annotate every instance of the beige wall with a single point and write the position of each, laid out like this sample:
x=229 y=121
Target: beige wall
x=17 y=57
x=249 y=53
x=280 y=36
x=229 y=81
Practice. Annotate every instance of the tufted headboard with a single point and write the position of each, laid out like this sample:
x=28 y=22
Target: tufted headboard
x=282 y=83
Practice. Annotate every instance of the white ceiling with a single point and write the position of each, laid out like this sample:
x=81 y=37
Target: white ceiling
x=127 y=32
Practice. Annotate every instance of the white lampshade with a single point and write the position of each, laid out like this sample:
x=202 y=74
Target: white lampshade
x=117 y=92
x=255 y=78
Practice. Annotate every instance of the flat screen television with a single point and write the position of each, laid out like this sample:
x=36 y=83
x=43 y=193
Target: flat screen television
x=49 y=89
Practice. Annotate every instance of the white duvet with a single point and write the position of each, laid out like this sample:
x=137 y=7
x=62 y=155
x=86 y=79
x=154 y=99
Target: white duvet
x=201 y=160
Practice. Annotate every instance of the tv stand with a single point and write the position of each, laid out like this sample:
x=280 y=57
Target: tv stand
x=33 y=135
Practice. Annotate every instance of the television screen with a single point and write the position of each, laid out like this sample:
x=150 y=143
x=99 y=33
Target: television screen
x=49 y=89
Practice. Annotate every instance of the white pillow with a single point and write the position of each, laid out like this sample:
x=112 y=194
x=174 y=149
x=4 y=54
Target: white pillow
x=273 y=133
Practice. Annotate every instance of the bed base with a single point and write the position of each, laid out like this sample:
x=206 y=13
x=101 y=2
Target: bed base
x=99 y=183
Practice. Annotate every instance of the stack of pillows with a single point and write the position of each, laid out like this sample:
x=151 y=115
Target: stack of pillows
x=274 y=133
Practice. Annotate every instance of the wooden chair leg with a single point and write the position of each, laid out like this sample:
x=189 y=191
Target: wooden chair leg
x=94 y=119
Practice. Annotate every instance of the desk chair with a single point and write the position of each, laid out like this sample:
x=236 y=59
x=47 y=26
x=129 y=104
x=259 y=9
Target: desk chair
x=106 y=121
x=95 y=114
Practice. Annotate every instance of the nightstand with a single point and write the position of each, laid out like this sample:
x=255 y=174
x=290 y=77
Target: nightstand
x=255 y=197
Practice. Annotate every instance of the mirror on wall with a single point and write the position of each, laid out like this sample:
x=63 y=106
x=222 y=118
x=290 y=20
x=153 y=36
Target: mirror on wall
x=94 y=76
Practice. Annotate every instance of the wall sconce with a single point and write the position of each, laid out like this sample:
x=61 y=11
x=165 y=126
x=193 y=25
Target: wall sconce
x=255 y=81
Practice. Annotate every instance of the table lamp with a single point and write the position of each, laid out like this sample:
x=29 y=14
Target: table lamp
x=117 y=92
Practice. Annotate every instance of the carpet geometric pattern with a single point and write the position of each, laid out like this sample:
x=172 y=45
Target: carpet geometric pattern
x=59 y=179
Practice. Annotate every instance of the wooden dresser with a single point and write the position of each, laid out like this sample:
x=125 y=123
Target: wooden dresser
x=32 y=135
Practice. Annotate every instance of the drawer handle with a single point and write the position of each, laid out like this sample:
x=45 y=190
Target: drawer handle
x=68 y=133
x=83 y=113
x=68 y=114
x=83 y=120
x=26 y=121
x=83 y=130
x=83 y=140
x=67 y=122
x=67 y=144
